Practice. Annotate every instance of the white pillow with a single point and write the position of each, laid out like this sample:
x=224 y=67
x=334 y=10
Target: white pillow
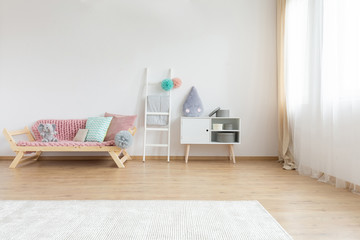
x=81 y=135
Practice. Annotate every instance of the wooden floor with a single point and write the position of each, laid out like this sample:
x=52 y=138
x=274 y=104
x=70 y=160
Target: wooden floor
x=307 y=209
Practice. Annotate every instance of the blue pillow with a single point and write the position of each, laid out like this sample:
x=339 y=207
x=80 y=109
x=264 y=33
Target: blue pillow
x=97 y=127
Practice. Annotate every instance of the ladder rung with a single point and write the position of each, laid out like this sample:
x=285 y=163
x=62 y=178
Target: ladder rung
x=157 y=129
x=156 y=145
x=157 y=113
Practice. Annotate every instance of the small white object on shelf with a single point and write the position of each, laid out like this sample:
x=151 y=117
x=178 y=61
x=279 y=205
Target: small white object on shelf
x=217 y=126
x=204 y=130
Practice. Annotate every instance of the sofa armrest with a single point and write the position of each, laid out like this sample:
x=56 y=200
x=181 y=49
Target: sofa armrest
x=132 y=130
x=9 y=136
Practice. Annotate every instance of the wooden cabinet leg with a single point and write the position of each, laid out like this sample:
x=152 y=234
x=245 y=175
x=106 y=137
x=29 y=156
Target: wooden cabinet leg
x=232 y=152
x=187 y=153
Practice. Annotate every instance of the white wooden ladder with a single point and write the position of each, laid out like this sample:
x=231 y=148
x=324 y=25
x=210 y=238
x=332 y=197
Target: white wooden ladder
x=158 y=129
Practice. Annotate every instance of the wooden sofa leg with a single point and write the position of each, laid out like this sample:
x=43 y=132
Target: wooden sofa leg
x=16 y=160
x=116 y=159
x=127 y=155
x=124 y=158
x=37 y=155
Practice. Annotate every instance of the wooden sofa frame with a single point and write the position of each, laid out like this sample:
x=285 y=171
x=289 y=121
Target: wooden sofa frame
x=114 y=151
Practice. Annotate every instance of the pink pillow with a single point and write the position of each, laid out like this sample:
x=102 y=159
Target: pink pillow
x=118 y=123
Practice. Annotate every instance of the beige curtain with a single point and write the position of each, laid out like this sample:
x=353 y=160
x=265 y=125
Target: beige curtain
x=284 y=134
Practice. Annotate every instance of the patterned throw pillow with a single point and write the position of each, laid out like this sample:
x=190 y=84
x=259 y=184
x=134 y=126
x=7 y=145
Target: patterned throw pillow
x=98 y=127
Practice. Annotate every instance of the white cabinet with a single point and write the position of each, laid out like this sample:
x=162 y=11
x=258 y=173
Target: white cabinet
x=195 y=131
x=210 y=130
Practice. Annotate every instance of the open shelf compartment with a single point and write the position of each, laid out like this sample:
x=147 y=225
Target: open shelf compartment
x=234 y=121
x=215 y=133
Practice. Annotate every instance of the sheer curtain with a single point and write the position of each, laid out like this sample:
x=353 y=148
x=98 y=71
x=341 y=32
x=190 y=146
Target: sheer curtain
x=322 y=82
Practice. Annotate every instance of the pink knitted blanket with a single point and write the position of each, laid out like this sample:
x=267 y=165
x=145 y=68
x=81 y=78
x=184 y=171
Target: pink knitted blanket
x=65 y=144
x=66 y=131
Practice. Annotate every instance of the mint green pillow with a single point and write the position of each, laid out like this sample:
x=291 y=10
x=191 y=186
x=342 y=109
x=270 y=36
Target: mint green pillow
x=97 y=127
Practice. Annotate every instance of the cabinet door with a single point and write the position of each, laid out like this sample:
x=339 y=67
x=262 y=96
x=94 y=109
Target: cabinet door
x=195 y=131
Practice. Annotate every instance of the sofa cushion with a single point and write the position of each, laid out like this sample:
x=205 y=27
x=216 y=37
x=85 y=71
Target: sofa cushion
x=118 y=123
x=66 y=129
x=98 y=127
x=64 y=144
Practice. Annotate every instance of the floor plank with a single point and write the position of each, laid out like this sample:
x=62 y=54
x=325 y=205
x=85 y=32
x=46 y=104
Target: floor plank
x=306 y=208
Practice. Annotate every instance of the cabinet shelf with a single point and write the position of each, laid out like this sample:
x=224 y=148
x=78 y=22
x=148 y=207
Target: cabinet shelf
x=225 y=130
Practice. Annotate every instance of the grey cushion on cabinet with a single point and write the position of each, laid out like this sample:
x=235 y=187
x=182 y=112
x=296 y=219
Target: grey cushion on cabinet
x=193 y=106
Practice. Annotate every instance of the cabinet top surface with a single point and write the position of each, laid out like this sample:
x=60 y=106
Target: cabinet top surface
x=210 y=117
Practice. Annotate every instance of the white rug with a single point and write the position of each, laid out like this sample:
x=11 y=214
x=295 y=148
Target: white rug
x=122 y=219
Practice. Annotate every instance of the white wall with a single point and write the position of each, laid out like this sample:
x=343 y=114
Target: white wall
x=74 y=59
